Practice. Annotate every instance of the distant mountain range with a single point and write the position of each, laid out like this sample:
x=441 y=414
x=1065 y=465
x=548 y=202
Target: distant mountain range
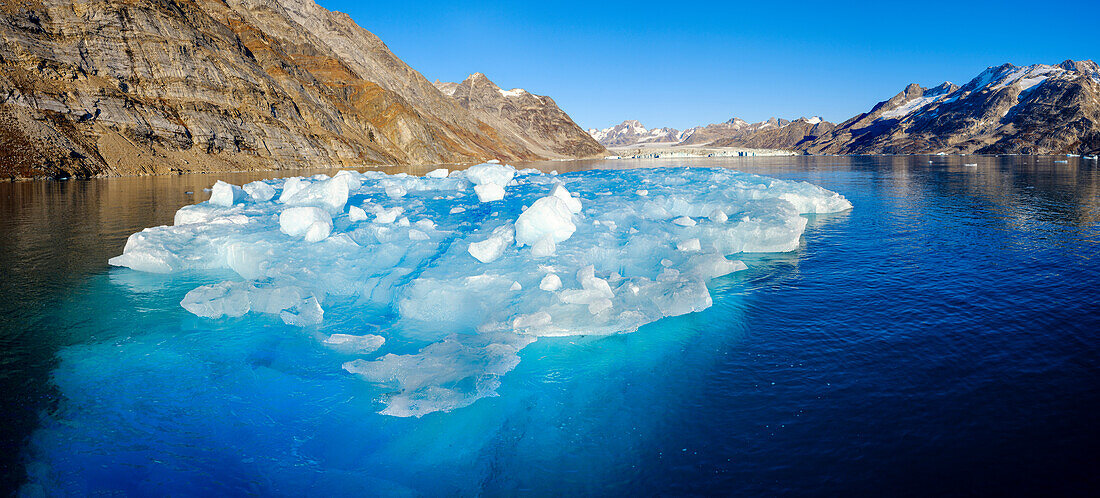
x=632 y=132
x=1037 y=109
x=108 y=87
x=735 y=131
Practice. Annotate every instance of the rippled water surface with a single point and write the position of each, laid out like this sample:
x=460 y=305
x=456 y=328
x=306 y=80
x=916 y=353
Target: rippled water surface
x=941 y=337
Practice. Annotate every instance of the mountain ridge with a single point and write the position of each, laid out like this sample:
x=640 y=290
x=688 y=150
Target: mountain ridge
x=535 y=120
x=109 y=87
x=1035 y=109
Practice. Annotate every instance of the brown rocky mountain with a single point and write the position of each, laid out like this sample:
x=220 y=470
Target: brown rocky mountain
x=775 y=133
x=734 y=128
x=152 y=86
x=1038 y=109
x=535 y=120
x=792 y=135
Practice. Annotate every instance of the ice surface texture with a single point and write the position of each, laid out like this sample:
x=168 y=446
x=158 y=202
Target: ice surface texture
x=472 y=266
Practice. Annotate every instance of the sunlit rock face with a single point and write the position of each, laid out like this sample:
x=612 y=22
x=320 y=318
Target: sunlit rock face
x=536 y=120
x=451 y=284
x=110 y=87
x=1036 y=109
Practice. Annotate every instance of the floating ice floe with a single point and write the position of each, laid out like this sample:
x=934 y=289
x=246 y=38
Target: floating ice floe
x=470 y=266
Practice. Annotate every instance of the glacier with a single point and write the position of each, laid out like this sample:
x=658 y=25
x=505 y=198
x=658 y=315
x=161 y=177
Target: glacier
x=427 y=289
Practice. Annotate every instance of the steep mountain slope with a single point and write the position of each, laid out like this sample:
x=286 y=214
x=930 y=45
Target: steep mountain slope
x=152 y=86
x=734 y=128
x=1037 y=109
x=631 y=132
x=791 y=135
x=534 y=120
x=775 y=133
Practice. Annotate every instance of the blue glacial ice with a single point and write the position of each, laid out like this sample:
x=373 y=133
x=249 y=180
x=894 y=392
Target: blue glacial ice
x=438 y=282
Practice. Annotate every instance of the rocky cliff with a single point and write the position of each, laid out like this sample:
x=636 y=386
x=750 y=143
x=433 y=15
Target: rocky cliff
x=1038 y=109
x=534 y=120
x=106 y=87
x=788 y=135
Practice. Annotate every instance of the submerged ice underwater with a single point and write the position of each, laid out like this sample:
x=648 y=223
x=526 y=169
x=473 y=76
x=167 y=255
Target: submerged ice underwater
x=337 y=333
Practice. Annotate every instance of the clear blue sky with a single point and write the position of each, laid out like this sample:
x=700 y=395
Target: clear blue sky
x=681 y=64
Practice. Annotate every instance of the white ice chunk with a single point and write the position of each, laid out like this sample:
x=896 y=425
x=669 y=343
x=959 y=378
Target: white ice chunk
x=396 y=191
x=489 y=192
x=308 y=313
x=387 y=216
x=525 y=323
x=690 y=245
x=330 y=194
x=571 y=202
x=492 y=247
x=437 y=173
x=356 y=213
x=545 y=247
x=355 y=344
x=225 y=194
x=684 y=221
x=490 y=173
x=312 y=223
x=708 y=266
x=350 y=178
x=550 y=283
x=217 y=300
x=548 y=216
x=260 y=191
x=594 y=292
x=291 y=187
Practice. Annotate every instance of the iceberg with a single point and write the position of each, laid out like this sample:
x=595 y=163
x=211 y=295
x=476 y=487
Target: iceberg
x=456 y=272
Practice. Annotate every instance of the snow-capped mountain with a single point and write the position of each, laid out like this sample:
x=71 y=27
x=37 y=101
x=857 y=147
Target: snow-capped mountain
x=631 y=132
x=734 y=133
x=778 y=134
x=732 y=129
x=1036 y=109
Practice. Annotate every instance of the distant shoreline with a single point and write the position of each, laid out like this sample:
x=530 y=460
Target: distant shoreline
x=639 y=151
x=671 y=150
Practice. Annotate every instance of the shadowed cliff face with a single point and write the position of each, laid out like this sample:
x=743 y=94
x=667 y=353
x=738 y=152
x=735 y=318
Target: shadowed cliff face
x=108 y=87
x=1038 y=109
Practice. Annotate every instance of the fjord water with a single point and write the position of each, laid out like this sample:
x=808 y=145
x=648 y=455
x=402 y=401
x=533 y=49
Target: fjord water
x=939 y=337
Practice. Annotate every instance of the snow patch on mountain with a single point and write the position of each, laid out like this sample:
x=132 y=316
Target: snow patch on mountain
x=1028 y=76
x=515 y=92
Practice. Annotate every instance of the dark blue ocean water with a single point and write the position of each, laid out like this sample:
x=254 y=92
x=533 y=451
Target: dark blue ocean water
x=940 y=338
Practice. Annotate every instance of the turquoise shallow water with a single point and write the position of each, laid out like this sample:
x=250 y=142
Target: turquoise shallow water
x=939 y=338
